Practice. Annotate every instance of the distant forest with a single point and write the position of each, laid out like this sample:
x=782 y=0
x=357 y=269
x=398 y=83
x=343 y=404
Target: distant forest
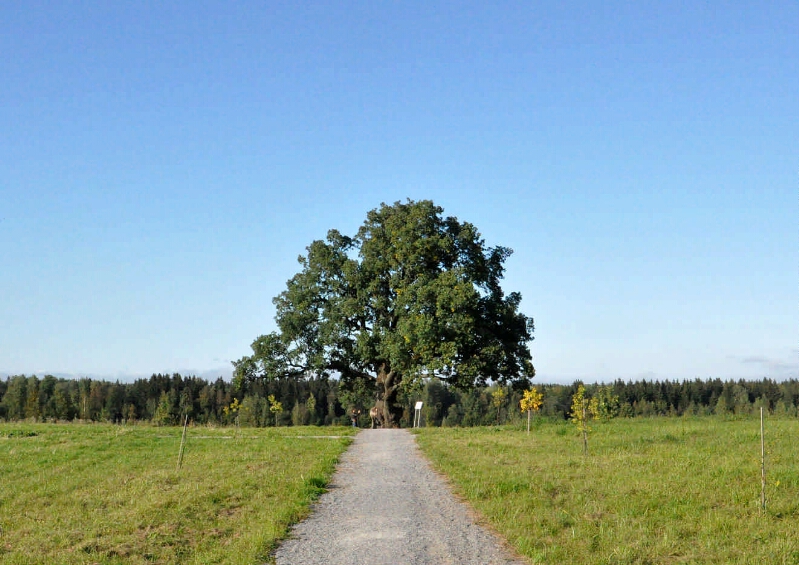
x=167 y=399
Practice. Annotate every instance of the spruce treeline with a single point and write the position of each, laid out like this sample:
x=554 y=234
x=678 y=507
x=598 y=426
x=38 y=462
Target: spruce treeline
x=698 y=397
x=165 y=399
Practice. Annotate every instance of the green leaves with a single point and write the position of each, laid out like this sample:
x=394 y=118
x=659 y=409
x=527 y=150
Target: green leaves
x=412 y=294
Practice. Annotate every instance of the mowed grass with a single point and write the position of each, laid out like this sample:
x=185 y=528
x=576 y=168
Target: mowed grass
x=651 y=491
x=111 y=494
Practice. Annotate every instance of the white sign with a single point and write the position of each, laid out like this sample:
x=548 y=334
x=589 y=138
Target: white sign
x=417 y=415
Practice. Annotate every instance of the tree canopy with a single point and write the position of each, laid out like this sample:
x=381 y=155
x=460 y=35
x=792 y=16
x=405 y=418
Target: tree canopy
x=413 y=294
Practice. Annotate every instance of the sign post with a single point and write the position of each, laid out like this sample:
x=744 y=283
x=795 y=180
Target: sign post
x=417 y=417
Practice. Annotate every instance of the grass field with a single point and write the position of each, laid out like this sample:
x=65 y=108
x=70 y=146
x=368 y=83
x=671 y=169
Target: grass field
x=651 y=491
x=110 y=494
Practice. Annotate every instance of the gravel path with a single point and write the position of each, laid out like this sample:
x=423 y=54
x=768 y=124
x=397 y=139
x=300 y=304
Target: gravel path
x=386 y=505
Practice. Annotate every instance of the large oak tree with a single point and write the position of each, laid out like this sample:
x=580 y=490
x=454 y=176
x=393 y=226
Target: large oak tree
x=412 y=294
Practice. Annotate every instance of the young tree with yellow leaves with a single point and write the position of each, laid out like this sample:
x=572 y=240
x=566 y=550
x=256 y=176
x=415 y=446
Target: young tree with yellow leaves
x=498 y=399
x=530 y=402
x=275 y=407
x=580 y=414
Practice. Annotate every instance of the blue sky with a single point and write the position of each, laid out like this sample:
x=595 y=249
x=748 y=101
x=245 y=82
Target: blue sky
x=162 y=166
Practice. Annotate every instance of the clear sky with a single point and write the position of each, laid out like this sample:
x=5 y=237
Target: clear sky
x=162 y=165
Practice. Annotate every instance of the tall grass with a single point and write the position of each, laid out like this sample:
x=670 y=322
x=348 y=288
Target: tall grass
x=660 y=490
x=109 y=494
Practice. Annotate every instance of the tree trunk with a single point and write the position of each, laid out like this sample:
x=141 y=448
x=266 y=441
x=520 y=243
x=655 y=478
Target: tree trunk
x=387 y=388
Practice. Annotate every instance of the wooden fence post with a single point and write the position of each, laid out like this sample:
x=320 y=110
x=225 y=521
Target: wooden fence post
x=762 y=465
x=182 y=441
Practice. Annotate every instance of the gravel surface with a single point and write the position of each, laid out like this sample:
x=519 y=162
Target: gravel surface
x=386 y=505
